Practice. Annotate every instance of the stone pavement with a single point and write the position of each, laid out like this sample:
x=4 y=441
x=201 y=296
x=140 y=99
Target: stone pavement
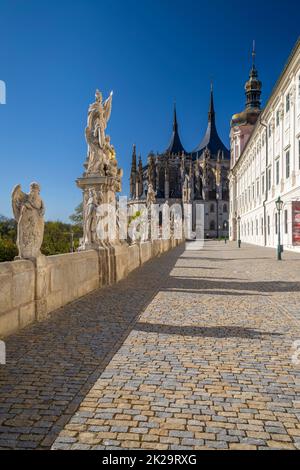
x=191 y=351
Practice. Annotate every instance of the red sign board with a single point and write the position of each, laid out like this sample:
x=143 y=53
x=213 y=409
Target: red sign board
x=296 y=222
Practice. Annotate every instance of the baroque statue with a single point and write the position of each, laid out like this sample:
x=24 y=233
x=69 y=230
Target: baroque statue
x=29 y=210
x=101 y=154
x=90 y=218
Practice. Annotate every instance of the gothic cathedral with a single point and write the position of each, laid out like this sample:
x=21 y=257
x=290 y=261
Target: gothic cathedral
x=178 y=176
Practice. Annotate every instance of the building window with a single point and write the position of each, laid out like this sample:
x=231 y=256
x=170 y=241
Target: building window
x=252 y=227
x=256 y=227
x=225 y=209
x=212 y=208
x=277 y=172
x=257 y=188
x=269 y=179
x=287 y=103
x=262 y=225
x=225 y=225
x=277 y=118
x=286 y=221
x=276 y=223
x=270 y=130
x=263 y=183
x=287 y=164
x=269 y=225
x=212 y=225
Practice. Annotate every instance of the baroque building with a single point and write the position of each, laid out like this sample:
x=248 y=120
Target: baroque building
x=196 y=177
x=265 y=161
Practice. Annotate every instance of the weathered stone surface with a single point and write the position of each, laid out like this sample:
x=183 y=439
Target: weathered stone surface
x=31 y=291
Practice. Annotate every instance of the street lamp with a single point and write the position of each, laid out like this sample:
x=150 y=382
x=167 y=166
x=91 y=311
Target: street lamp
x=279 y=205
x=217 y=199
x=225 y=228
x=239 y=231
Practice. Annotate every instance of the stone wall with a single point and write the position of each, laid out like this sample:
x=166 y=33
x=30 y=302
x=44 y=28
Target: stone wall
x=31 y=291
x=17 y=295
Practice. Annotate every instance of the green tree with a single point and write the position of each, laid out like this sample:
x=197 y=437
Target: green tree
x=58 y=238
x=77 y=216
x=8 y=236
x=8 y=250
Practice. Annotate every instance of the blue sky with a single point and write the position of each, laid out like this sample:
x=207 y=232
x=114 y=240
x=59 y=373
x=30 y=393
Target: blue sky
x=54 y=54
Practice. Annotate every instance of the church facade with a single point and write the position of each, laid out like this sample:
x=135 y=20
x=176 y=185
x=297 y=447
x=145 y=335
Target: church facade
x=196 y=177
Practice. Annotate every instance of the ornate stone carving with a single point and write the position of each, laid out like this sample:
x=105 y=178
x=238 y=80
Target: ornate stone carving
x=90 y=217
x=101 y=157
x=151 y=195
x=102 y=178
x=186 y=189
x=29 y=212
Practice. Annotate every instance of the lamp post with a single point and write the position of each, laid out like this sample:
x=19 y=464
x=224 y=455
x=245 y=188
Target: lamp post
x=225 y=228
x=217 y=199
x=279 y=204
x=239 y=231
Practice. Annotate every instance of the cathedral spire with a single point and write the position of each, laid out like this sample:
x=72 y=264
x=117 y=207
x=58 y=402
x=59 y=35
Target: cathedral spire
x=211 y=111
x=211 y=139
x=133 y=173
x=175 y=147
x=175 y=123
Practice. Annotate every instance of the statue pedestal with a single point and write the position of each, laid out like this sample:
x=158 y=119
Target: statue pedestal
x=107 y=185
x=96 y=190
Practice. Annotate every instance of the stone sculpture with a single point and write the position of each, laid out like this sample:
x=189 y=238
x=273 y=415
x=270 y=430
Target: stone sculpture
x=90 y=218
x=101 y=158
x=29 y=210
x=186 y=189
x=151 y=195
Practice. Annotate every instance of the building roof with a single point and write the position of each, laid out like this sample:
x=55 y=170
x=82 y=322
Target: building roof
x=175 y=145
x=211 y=139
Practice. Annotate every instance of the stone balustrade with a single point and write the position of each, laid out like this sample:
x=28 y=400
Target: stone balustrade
x=30 y=291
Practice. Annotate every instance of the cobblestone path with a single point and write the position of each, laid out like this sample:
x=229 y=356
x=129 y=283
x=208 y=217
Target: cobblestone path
x=191 y=351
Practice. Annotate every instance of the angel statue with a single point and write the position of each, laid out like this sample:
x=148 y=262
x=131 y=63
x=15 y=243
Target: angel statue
x=29 y=212
x=99 y=148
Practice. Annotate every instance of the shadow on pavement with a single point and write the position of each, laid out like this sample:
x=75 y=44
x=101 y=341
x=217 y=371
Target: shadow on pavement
x=52 y=365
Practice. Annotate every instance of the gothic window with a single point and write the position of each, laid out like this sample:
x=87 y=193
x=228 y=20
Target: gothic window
x=173 y=181
x=225 y=208
x=212 y=225
x=212 y=208
x=161 y=182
